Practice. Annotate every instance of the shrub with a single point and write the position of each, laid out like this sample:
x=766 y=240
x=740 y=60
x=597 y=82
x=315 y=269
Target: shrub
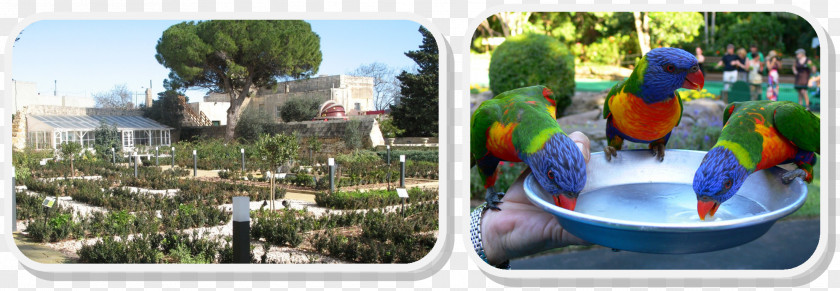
x=410 y=155
x=370 y=199
x=300 y=109
x=252 y=123
x=530 y=59
x=281 y=228
x=386 y=237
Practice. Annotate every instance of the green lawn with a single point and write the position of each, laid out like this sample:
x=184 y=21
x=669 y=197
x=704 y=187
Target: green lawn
x=811 y=208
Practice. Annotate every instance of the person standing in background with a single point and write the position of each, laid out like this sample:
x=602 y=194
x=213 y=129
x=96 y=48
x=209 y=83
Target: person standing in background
x=754 y=51
x=755 y=66
x=773 y=65
x=730 y=71
x=742 y=65
x=698 y=52
x=802 y=68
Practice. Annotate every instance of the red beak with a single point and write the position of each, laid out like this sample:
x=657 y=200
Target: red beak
x=694 y=80
x=565 y=202
x=707 y=208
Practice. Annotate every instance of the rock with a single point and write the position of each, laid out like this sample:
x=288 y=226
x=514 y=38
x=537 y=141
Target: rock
x=589 y=123
x=703 y=109
x=586 y=101
x=476 y=99
x=581 y=118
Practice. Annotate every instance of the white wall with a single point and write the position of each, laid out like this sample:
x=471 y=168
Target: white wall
x=25 y=94
x=215 y=111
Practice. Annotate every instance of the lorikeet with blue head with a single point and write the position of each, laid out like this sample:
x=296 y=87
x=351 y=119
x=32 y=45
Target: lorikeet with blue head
x=756 y=135
x=520 y=125
x=644 y=108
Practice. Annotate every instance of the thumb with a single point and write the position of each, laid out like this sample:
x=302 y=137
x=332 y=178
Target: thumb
x=582 y=142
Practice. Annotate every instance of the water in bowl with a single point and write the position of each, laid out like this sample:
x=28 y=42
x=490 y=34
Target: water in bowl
x=659 y=203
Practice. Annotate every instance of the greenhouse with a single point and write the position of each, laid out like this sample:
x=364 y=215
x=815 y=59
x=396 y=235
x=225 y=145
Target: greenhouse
x=49 y=131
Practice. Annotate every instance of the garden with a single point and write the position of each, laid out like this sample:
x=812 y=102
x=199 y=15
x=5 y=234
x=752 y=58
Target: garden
x=105 y=211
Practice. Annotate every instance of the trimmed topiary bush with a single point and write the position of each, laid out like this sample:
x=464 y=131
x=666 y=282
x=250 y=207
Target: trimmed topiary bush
x=532 y=59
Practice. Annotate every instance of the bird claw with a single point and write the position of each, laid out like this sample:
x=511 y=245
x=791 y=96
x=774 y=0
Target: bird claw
x=610 y=152
x=658 y=151
x=494 y=199
x=788 y=177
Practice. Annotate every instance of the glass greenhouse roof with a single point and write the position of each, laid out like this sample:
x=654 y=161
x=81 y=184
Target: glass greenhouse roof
x=86 y=122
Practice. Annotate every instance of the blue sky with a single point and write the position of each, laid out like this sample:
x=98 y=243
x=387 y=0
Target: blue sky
x=92 y=56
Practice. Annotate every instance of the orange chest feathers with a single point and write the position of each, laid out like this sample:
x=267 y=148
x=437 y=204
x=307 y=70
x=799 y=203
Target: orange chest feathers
x=500 y=141
x=642 y=121
x=775 y=149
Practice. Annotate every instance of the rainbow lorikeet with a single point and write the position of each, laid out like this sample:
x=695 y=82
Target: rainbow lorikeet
x=644 y=108
x=520 y=125
x=756 y=135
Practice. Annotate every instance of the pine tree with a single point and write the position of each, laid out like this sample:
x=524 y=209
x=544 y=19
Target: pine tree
x=417 y=110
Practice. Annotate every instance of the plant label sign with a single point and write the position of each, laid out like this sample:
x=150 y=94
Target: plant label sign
x=49 y=202
x=402 y=158
x=331 y=161
x=402 y=193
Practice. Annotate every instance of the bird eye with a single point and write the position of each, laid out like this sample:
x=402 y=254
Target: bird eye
x=727 y=184
x=550 y=174
x=693 y=69
x=669 y=68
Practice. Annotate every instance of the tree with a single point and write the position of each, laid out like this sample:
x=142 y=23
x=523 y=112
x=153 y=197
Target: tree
x=167 y=109
x=68 y=151
x=417 y=111
x=107 y=139
x=642 y=22
x=277 y=150
x=386 y=87
x=352 y=134
x=237 y=56
x=388 y=129
x=299 y=109
x=118 y=97
x=252 y=124
x=314 y=145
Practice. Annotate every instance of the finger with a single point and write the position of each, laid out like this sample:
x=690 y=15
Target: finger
x=582 y=142
x=516 y=192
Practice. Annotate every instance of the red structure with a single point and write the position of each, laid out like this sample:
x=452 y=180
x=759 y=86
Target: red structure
x=330 y=110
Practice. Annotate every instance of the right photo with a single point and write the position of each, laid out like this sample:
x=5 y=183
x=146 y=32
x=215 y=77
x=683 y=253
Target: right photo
x=645 y=140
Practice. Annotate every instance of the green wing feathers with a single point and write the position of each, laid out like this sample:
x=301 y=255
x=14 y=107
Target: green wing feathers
x=731 y=108
x=614 y=90
x=798 y=125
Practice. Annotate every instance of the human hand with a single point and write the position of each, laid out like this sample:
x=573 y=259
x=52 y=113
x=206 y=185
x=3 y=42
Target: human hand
x=521 y=228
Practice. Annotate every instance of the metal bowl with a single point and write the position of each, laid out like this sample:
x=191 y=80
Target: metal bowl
x=636 y=203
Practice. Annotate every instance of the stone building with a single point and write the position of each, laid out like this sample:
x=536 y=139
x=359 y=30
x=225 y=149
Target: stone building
x=354 y=93
x=26 y=94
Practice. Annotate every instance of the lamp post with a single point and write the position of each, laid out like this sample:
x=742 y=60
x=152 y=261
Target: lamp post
x=402 y=171
x=388 y=147
x=241 y=230
x=195 y=164
x=331 y=163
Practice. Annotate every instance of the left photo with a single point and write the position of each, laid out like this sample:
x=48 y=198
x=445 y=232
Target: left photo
x=225 y=141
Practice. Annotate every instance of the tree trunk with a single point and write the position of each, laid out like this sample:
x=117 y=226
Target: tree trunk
x=232 y=118
x=272 y=190
x=72 y=169
x=642 y=31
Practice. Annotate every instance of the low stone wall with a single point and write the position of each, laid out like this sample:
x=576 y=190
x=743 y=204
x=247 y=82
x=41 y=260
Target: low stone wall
x=332 y=131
